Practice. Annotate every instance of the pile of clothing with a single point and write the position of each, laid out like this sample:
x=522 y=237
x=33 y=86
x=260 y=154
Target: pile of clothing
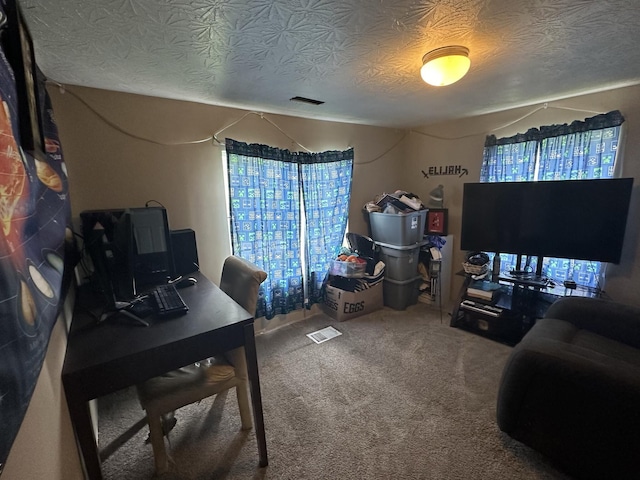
x=397 y=202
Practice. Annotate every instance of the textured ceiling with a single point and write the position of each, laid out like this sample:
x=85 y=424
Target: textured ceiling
x=361 y=57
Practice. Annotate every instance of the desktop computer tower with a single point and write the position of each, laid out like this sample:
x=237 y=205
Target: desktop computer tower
x=105 y=234
x=185 y=251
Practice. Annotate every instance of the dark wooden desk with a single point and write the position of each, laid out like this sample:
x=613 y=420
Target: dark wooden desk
x=102 y=359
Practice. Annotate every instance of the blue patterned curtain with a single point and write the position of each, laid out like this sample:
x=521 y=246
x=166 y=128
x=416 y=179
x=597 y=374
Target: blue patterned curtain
x=326 y=189
x=264 y=196
x=582 y=150
x=265 y=188
x=510 y=159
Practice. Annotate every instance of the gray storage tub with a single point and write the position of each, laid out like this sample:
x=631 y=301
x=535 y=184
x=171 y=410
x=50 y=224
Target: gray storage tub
x=398 y=228
x=399 y=294
x=401 y=262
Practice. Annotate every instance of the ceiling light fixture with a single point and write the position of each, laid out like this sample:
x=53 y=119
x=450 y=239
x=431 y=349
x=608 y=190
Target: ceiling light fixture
x=445 y=65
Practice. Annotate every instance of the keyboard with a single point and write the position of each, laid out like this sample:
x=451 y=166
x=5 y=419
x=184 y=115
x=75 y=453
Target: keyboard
x=168 y=300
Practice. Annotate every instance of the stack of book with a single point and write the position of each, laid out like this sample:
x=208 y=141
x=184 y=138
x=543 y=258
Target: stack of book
x=484 y=290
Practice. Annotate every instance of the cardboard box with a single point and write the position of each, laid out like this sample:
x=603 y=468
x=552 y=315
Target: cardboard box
x=343 y=305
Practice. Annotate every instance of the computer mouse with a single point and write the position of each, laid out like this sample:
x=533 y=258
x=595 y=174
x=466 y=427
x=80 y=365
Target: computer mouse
x=186 y=282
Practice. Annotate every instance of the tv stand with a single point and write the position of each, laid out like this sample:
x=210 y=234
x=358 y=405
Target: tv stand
x=518 y=302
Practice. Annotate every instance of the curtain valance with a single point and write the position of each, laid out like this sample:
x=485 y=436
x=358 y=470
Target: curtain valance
x=533 y=134
x=605 y=120
x=273 y=153
x=599 y=122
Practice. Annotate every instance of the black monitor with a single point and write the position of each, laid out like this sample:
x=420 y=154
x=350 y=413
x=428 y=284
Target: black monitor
x=130 y=249
x=150 y=251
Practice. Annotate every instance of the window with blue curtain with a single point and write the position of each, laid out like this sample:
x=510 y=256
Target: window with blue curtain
x=270 y=192
x=326 y=190
x=582 y=150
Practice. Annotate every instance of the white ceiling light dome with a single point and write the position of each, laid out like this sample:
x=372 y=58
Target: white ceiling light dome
x=445 y=65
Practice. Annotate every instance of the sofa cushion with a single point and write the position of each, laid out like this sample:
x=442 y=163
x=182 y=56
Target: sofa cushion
x=583 y=343
x=610 y=319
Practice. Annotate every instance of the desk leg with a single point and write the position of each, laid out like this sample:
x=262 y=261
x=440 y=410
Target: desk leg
x=81 y=420
x=256 y=396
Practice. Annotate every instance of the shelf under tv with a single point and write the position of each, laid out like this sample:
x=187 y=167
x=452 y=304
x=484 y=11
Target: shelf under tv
x=508 y=315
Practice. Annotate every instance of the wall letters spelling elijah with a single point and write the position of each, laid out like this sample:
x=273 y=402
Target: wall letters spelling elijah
x=458 y=170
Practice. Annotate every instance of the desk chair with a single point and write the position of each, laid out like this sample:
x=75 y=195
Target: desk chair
x=162 y=395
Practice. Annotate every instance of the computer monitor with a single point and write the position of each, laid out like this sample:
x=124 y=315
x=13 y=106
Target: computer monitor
x=130 y=249
x=150 y=252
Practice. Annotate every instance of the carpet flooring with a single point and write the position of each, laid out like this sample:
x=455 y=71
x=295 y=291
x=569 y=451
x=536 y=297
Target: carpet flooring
x=399 y=395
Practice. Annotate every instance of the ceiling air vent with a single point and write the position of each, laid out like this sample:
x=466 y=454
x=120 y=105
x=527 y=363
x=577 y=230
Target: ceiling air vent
x=310 y=101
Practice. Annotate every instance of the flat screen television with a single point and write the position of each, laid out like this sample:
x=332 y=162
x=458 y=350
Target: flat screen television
x=577 y=219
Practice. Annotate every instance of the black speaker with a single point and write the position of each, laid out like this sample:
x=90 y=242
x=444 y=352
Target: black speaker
x=185 y=251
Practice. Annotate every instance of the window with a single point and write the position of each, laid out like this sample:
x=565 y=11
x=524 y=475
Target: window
x=583 y=150
x=289 y=214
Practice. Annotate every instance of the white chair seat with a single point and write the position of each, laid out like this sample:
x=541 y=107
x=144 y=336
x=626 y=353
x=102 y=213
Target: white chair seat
x=163 y=394
x=186 y=385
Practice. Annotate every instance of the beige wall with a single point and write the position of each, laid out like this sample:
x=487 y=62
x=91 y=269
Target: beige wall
x=465 y=148
x=45 y=446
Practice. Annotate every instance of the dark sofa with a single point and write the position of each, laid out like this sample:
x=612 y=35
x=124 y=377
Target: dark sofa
x=571 y=389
